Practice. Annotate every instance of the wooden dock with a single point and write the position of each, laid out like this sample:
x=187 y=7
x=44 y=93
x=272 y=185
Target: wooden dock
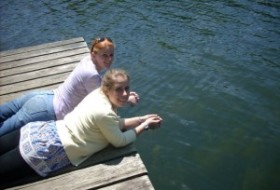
x=45 y=67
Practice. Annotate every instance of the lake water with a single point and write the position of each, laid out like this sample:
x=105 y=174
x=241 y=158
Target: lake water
x=211 y=69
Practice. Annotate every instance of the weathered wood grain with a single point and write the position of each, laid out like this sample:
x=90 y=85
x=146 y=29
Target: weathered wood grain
x=41 y=46
x=101 y=175
x=8 y=97
x=33 y=84
x=142 y=182
x=41 y=52
x=66 y=68
x=42 y=65
x=53 y=57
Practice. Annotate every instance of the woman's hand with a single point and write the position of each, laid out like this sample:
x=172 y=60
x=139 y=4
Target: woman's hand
x=153 y=121
x=149 y=121
x=133 y=98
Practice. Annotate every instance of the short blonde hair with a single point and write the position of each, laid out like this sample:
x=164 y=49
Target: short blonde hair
x=97 y=44
x=109 y=78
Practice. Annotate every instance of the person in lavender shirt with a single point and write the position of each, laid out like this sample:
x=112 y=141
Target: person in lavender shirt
x=55 y=104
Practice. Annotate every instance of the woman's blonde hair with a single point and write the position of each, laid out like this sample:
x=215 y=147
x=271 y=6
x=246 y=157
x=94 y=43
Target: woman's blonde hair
x=97 y=45
x=109 y=78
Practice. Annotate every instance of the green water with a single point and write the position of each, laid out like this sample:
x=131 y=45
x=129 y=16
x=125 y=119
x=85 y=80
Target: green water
x=211 y=69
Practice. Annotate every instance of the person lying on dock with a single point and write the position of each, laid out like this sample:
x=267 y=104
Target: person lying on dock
x=43 y=147
x=55 y=104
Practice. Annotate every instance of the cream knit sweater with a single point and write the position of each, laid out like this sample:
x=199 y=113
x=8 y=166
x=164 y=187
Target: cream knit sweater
x=90 y=127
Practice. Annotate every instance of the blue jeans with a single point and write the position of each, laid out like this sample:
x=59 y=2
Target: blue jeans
x=35 y=106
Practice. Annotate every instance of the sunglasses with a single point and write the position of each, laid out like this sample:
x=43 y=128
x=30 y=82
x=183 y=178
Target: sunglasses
x=98 y=40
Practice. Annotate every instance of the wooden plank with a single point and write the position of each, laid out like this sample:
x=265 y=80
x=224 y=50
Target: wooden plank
x=140 y=183
x=34 y=84
x=41 y=65
x=40 y=52
x=27 y=61
x=33 y=75
x=95 y=177
x=41 y=46
x=108 y=156
x=8 y=97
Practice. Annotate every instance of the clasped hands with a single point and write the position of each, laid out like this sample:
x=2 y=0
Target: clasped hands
x=152 y=120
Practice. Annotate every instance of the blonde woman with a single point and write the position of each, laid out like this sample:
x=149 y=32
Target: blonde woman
x=45 y=147
x=55 y=104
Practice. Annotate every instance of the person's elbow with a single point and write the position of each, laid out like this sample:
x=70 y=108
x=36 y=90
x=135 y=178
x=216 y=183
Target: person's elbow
x=124 y=139
x=120 y=143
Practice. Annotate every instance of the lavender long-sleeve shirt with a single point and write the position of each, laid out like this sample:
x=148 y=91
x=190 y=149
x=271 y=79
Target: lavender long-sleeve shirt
x=82 y=80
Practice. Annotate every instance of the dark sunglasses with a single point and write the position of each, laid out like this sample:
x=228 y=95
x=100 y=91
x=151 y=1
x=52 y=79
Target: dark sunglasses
x=98 y=40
